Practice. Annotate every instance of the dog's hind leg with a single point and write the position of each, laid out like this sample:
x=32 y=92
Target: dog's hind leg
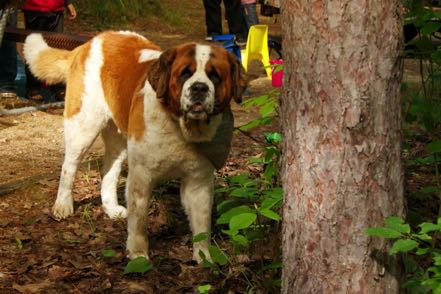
x=79 y=134
x=116 y=153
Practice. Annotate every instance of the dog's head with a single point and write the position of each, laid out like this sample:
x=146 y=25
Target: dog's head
x=197 y=81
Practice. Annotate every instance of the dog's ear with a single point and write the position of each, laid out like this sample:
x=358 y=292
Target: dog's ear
x=239 y=77
x=159 y=73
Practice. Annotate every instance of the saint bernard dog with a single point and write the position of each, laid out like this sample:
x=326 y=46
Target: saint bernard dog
x=168 y=113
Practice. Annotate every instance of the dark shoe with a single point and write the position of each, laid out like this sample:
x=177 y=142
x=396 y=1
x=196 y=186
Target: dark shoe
x=60 y=94
x=34 y=95
x=8 y=91
x=241 y=42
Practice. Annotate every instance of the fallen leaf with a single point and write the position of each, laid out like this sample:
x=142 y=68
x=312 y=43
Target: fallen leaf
x=56 y=272
x=32 y=288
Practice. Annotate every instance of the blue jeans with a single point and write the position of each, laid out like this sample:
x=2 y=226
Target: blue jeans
x=8 y=59
x=250 y=15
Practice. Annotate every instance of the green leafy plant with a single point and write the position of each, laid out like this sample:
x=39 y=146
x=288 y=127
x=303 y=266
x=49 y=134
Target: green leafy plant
x=204 y=289
x=108 y=252
x=247 y=209
x=418 y=243
x=138 y=265
x=89 y=220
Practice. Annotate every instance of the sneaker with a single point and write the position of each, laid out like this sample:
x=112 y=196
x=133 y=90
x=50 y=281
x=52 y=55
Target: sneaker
x=34 y=94
x=8 y=92
x=240 y=42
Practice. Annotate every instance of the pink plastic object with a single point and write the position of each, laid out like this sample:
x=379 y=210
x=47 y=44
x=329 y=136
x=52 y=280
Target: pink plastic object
x=277 y=72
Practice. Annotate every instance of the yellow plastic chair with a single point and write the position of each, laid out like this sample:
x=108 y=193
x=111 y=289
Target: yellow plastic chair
x=257 y=48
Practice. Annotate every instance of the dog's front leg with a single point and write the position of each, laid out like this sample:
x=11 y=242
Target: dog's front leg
x=138 y=197
x=197 y=199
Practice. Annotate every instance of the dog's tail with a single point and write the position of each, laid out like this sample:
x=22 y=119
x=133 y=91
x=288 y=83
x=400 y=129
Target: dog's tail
x=48 y=64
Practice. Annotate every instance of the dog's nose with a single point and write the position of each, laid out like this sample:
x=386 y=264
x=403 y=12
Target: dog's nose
x=199 y=89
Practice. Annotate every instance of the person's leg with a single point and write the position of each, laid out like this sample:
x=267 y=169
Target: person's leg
x=55 y=23
x=213 y=17
x=234 y=13
x=251 y=14
x=34 y=20
x=8 y=62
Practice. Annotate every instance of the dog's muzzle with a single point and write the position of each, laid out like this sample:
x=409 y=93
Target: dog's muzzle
x=198 y=108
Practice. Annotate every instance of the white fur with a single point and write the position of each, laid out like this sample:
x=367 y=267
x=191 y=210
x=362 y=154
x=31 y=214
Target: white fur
x=131 y=33
x=33 y=46
x=202 y=56
x=173 y=157
x=79 y=133
x=148 y=54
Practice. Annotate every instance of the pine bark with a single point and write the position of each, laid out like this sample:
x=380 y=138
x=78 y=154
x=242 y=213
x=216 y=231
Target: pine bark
x=341 y=169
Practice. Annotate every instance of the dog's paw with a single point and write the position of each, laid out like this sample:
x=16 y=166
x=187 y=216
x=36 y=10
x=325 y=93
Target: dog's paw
x=62 y=210
x=134 y=255
x=115 y=212
x=198 y=252
x=137 y=245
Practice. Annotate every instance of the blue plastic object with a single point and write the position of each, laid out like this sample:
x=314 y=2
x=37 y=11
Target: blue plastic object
x=233 y=48
x=228 y=43
x=220 y=38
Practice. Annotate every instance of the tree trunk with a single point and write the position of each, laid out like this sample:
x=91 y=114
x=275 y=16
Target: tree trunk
x=341 y=170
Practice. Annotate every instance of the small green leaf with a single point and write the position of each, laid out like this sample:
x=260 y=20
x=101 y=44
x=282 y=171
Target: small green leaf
x=204 y=289
x=108 y=252
x=436 y=258
x=201 y=237
x=434 y=146
x=268 y=108
x=436 y=56
x=273 y=265
x=242 y=221
x=217 y=255
x=429 y=227
x=396 y=223
x=243 y=192
x=270 y=214
x=429 y=189
x=241 y=240
x=241 y=179
x=226 y=217
x=422 y=237
x=270 y=202
x=383 y=232
x=273 y=137
x=403 y=245
x=138 y=265
x=430 y=27
x=276 y=192
x=422 y=251
x=19 y=243
x=226 y=205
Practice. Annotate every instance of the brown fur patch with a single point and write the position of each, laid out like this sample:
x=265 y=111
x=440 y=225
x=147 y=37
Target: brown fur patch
x=51 y=65
x=164 y=75
x=232 y=74
x=123 y=76
x=137 y=125
x=75 y=85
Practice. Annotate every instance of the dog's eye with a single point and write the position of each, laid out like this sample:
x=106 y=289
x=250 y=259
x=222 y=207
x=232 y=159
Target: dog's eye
x=185 y=74
x=213 y=75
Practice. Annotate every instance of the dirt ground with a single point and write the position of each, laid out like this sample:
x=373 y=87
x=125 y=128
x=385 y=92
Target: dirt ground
x=41 y=255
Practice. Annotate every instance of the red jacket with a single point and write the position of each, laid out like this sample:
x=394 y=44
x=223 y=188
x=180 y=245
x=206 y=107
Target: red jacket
x=45 y=6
